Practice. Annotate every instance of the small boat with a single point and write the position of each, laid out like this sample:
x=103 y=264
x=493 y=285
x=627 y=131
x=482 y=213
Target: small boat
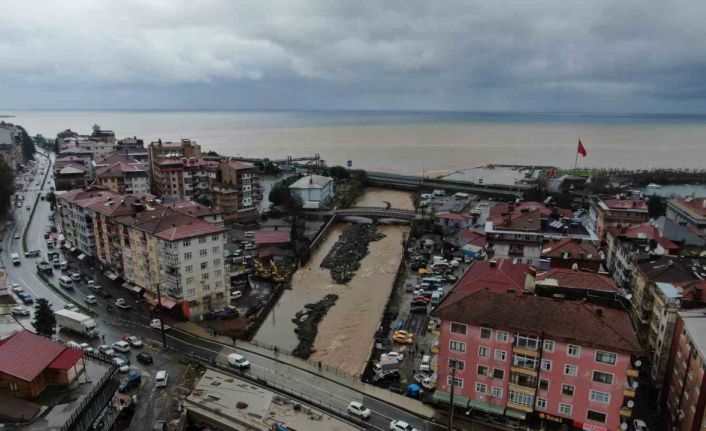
x=653 y=186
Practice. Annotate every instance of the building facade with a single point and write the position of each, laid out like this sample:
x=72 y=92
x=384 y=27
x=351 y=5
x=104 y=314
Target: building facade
x=76 y=219
x=122 y=174
x=315 y=191
x=184 y=178
x=237 y=191
x=688 y=212
x=607 y=212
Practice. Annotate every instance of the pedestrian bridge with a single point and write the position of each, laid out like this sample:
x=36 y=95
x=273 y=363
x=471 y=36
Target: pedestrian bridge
x=377 y=213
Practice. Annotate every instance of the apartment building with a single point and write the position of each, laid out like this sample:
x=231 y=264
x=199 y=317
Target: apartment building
x=567 y=252
x=11 y=144
x=182 y=254
x=684 y=395
x=76 y=219
x=497 y=275
x=315 y=191
x=184 y=178
x=184 y=148
x=689 y=212
x=122 y=174
x=518 y=231
x=605 y=212
x=537 y=361
x=237 y=189
x=575 y=284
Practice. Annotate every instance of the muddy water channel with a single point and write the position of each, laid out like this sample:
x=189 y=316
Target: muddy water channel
x=346 y=333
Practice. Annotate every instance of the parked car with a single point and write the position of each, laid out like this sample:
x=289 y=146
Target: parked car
x=122 y=357
x=70 y=307
x=106 y=350
x=75 y=276
x=134 y=341
x=160 y=426
x=639 y=425
x=26 y=298
x=403 y=337
x=236 y=294
x=86 y=347
x=20 y=311
x=90 y=299
x=122 y=365
x=131 y=381
x=144 y=358
x=16 y=288
x=161 y=379
x=358 y=409
x=392 y=355
x=397 y=425
x=121 y=346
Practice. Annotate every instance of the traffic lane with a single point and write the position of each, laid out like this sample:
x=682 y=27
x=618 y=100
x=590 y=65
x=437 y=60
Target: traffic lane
x=384 y=413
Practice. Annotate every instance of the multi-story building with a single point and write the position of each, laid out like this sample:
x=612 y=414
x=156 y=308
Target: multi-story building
x=567 y=252
x=688 y=212
x=537 y=360
x=122 y=174
x=684 y=394
x=518 y=231
x=626 y=245
x=237 y=190
x=76 y=219
x=606 y=212
x=497 y=275
x=184 y=178
x=315 y=191
x=181 y=254
x=174 y=150
x=11 y=144
x=69 y=175
x=575 y=284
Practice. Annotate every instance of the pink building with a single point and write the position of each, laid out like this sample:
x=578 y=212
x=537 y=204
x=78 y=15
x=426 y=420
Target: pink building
x=535 y=359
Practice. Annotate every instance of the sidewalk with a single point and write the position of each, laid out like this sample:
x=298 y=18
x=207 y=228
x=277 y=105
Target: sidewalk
x=410 y=405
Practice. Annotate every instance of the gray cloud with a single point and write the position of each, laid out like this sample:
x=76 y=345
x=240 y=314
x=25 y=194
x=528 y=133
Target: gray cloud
x=414 y=54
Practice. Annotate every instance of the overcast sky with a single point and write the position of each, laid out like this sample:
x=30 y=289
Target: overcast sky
x=593 y=55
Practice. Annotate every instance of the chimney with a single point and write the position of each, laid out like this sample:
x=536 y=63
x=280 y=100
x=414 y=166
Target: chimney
x=530 y=279
x=599 y=312
x=493 y=263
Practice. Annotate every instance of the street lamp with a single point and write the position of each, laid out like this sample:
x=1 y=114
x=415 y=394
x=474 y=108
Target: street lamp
x=161 y=320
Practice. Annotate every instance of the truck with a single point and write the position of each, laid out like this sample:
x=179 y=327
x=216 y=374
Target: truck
x=15 y=259
x=76 y=322
x=386 y=366
x=44 y=267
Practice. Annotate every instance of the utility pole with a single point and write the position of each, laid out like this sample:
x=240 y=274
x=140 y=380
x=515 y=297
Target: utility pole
x=451 y=398
x=161 y=320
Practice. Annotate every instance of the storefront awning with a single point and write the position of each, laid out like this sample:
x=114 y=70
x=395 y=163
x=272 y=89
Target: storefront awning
x=487 y=407
x=443 y=397
x=515 y=414
x=131 y=287
x=167 y=302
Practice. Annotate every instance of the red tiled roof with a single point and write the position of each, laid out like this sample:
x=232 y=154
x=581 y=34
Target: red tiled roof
x=645 y=231
x=271 y=237
x=66 y=359
x=496 y=275
x=25 y=355
x=574 y=248
x=697 y=205
x=238 y=165
x=626 y=204
x=473 y=237
x=574 y=279
x=496 y=212
x=170 y=225
x=453 y=216
x=574 y=321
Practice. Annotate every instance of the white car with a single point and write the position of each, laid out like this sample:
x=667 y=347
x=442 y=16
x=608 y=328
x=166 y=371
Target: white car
x=70 y=307
x=238 y=361
x=90 y=299
x=392 y=355
x=122 y=365
x=134 y=341
x=16 y=288
x=121 y=346
x=106 y=350
x=161 y=379
x=86 y=347
x=16 y=235
x=73 y=345
x=401 y=426
x=76 y=276
x=20 y=311
x=358 y=409
x=236 y=294
x=639 y=425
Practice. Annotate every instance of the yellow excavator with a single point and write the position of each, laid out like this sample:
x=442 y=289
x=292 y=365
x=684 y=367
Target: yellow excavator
x=262 y=271
x=277 y=277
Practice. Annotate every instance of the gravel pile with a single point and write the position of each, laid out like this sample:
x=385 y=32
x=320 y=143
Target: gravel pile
x=352 y=246
x=307 y=324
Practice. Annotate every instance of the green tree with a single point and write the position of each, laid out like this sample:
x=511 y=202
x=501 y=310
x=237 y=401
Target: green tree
x=211 y=153
x=280 y=191
x=44 y=321
x=7 y=185
x=338 y=173
x=267 y=166
x=27 y=144
x=51 y=198
x=656 y=206
x=204 y=200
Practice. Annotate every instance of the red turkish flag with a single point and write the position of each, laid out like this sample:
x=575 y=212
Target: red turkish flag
x=581 y=150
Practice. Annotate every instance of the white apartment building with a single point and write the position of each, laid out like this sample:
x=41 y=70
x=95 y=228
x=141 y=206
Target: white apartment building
x=75 y=217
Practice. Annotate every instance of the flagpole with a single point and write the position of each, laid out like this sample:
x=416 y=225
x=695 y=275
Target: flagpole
x=576 y=162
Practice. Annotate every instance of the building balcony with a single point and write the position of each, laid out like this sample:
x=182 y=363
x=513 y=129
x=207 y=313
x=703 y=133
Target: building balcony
x=520 y=407
x=647 y=305
x=629 y=392
x=529 y=390
x=525 y=351
x=631 y=372
x=516 y=253
x=171 y=259
x=175 y=293
x=626 y=412
x=522 y=370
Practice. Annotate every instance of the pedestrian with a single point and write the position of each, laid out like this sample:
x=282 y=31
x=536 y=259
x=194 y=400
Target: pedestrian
x=276 y=350
x=319 y=366
x=103 y=338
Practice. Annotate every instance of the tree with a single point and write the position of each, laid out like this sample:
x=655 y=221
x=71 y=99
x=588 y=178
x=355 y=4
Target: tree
x=338 y=173
x=267 y=166
x=44 y=321
x=656 y=206
x=51 y=198
x=204 y=200
x=280 y=191
x=27 y=144
x=7 y=185
x=211 y=153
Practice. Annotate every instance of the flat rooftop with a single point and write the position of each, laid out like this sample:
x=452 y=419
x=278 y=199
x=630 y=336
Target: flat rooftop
x=695 y=326
x=232 y=403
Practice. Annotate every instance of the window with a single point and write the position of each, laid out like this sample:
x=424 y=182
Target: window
x=217 y=273
x=216 y=250
x=190 y=293
x=203 y=252
x=457 y=363
x=13 y=387
x=602 y=377
x=571 y=370
x=485 y=333
x=544 y=384
x=498 y=373
x=189 y=268
x=565 y=409
x=204 y=276
x=524 y=361
x=522 y=399
x=496 y=392
x=484 y=352
x=482 y=370
x=216 y=262
x=458 y=328
x=541 y=403
x=189 y=280
x=456 y=381
x=546 y=365
x=457 y=346
x=186 y=243
x=501 y=336
x=206 y=287
x=204 y=265
x=596 y=416
x=568 y=389
x=218 y=284
x=573 y=350
x=481 y=388
x=187 y=256
x=527 y=342
x=600 y=397
x=215 y=237
x=548 y=346
x=202 y=240
x=606 y=357
x=500 y=355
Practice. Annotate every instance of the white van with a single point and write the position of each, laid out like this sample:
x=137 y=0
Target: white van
x=425 y=364
x=161 y=379
x=15 y=259
x=66 y=282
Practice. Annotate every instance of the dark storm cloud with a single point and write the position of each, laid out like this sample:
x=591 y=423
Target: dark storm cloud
x=414 y=54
